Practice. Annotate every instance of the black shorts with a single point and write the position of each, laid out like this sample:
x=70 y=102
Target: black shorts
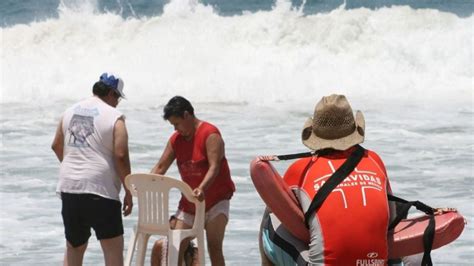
x=82 y=211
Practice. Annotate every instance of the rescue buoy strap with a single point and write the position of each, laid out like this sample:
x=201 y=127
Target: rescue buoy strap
x=402 y=211
x=304 y=154
x=428 y=235
x=295 y=156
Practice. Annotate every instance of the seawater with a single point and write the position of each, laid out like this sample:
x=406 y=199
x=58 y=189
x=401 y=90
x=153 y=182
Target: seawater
x=254 y=69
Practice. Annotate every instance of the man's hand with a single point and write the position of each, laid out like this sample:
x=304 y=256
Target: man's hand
x=198 y=194
x=444 y=210
x=268 y=158
x=127 y=204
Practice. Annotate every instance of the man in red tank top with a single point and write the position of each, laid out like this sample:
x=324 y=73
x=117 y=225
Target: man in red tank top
x=199 y=151
x=350 y=227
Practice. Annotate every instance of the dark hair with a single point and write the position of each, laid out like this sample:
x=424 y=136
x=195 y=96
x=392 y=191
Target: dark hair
x=100 y=89
x=176 y=106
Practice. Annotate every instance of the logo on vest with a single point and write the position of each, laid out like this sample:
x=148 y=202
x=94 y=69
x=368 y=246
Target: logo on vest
x=372 y=255
x=190 y=169
x=371 y=260
x=367 y=182
x=357 y=178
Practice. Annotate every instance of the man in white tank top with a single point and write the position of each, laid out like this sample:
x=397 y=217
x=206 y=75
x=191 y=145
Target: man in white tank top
x=91 y=142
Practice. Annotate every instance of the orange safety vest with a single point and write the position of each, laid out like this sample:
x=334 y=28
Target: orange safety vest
x=191 y=158
x=350 y=228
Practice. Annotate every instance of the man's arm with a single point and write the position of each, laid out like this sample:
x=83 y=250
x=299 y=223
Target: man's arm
x=122 y=161
x=58 y=142
x=215 y=153
x=165 y=161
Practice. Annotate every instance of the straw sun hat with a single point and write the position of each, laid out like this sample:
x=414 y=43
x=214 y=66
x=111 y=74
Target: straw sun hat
x=333 y=125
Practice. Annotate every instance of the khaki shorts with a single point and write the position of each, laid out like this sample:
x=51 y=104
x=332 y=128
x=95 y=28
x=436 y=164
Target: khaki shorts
x=222 y=207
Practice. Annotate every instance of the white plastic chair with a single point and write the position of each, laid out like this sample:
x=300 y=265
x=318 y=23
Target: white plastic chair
x=153 y=216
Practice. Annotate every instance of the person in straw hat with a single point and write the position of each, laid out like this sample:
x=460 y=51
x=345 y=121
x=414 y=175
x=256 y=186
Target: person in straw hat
x=349 y=226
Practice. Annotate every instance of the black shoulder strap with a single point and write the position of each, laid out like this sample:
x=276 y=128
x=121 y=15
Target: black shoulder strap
x=341 y=173
x=295 y=156
x=303 y=154
x=428 y=235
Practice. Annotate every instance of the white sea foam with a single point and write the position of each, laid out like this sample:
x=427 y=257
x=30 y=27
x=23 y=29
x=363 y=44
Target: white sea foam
x=264 y=57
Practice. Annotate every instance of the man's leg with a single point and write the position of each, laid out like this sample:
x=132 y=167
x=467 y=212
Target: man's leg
x=105 y=217
x=192 y=256
x=113 y=250
x=215 y=230
x=156 y=252
x=77 y=233
x=74 y=255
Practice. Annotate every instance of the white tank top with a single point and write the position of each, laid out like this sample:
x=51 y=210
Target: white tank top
x=88 y=164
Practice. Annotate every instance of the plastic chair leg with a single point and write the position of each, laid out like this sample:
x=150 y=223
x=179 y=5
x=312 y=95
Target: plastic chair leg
x=131 y=248
x=142 y=246
x=174 y=242
x=201 y=249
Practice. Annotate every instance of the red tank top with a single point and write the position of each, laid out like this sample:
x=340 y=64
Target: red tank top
x=350 y=228
x=191 y=158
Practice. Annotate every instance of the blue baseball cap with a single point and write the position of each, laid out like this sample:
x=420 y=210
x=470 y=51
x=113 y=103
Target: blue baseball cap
x=115 y=83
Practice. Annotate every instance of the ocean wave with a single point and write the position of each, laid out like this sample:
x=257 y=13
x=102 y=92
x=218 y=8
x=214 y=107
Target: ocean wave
x=264 y=57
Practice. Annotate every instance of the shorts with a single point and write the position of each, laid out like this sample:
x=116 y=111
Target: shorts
x=222 y=207
x=279 y=246
x=80 y=212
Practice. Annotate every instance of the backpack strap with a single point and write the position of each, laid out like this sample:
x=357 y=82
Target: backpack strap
x=428 y=235
x=341 y=173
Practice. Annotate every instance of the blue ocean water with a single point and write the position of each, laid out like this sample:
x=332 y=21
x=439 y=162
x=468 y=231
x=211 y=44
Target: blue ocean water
x=26 y=11
x=253 y=68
